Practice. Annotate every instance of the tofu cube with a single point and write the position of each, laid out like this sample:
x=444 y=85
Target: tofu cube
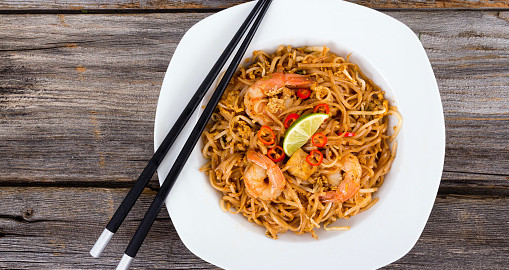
x=299 y=167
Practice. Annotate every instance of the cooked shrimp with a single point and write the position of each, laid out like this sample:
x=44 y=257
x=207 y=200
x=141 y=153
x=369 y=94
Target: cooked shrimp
x=270 y=85
x=350 y=183
x=256 y=174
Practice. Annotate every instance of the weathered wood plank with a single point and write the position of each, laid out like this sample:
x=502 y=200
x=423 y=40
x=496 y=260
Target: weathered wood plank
x=54 y=228
x=42 y=228
x=78 y=93
x=462 y=233
x=90 y=110
x=218 y=4
x=473 y=77
x=473 y=184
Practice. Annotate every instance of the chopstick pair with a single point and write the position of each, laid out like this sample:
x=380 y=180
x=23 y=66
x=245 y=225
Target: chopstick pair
x=257 y=15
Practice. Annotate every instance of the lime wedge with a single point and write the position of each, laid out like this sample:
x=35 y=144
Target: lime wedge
x=301 y=130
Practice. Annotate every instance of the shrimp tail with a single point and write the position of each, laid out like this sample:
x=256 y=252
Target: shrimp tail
x=278 y=178
x=344 y=192
x=257 y=159
x=298 y=80
x=328 y=196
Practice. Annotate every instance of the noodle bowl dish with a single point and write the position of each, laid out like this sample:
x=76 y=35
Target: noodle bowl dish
x=299 y=140
x=327 y=145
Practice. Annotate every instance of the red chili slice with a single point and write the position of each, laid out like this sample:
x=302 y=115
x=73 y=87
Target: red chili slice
x=303 y=93
x=314 y=160
x=266 y=135
x=290 y=119
x=322 y=108
x=319 y=140
x=347 y=134
x=276 y=153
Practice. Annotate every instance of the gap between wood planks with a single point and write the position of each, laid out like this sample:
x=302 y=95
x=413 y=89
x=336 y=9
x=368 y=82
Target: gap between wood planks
x=468 y=190
x=205 y=10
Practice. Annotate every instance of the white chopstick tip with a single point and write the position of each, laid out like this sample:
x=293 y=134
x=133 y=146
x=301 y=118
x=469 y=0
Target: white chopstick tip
x=124 y=262
x=101 y=243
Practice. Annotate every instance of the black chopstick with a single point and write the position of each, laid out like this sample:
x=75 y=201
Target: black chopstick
x=157 y=203
x=135 y=192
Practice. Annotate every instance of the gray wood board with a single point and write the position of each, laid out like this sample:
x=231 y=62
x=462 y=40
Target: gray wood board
x=50 y=228
x=220 y=4
x=78 y=94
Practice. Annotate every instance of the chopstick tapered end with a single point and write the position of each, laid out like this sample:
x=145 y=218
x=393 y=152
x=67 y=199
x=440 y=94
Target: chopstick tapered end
x=101 y=243
x=124 y=262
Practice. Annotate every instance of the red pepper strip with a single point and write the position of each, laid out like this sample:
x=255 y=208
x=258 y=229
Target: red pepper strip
x=313 y=160
x=347 y=134
x=319 y=140
x=276 y=153
x=303 y=93
x=266 y=132
x=322 y=108
x=290 y=119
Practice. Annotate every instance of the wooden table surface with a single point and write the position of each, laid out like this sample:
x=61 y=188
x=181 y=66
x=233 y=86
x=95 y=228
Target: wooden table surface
x=79 y=82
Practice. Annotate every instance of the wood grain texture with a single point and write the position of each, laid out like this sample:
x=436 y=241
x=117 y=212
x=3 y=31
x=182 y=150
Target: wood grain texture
x=220 y=4
x=78 y=94
x=54 y=228
x=108 y=70
x=49 y=228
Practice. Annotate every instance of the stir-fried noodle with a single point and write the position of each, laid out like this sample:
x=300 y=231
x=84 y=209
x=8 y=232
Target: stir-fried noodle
x=308 y=196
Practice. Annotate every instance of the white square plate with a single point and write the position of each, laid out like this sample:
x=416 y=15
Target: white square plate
x=391 y=55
